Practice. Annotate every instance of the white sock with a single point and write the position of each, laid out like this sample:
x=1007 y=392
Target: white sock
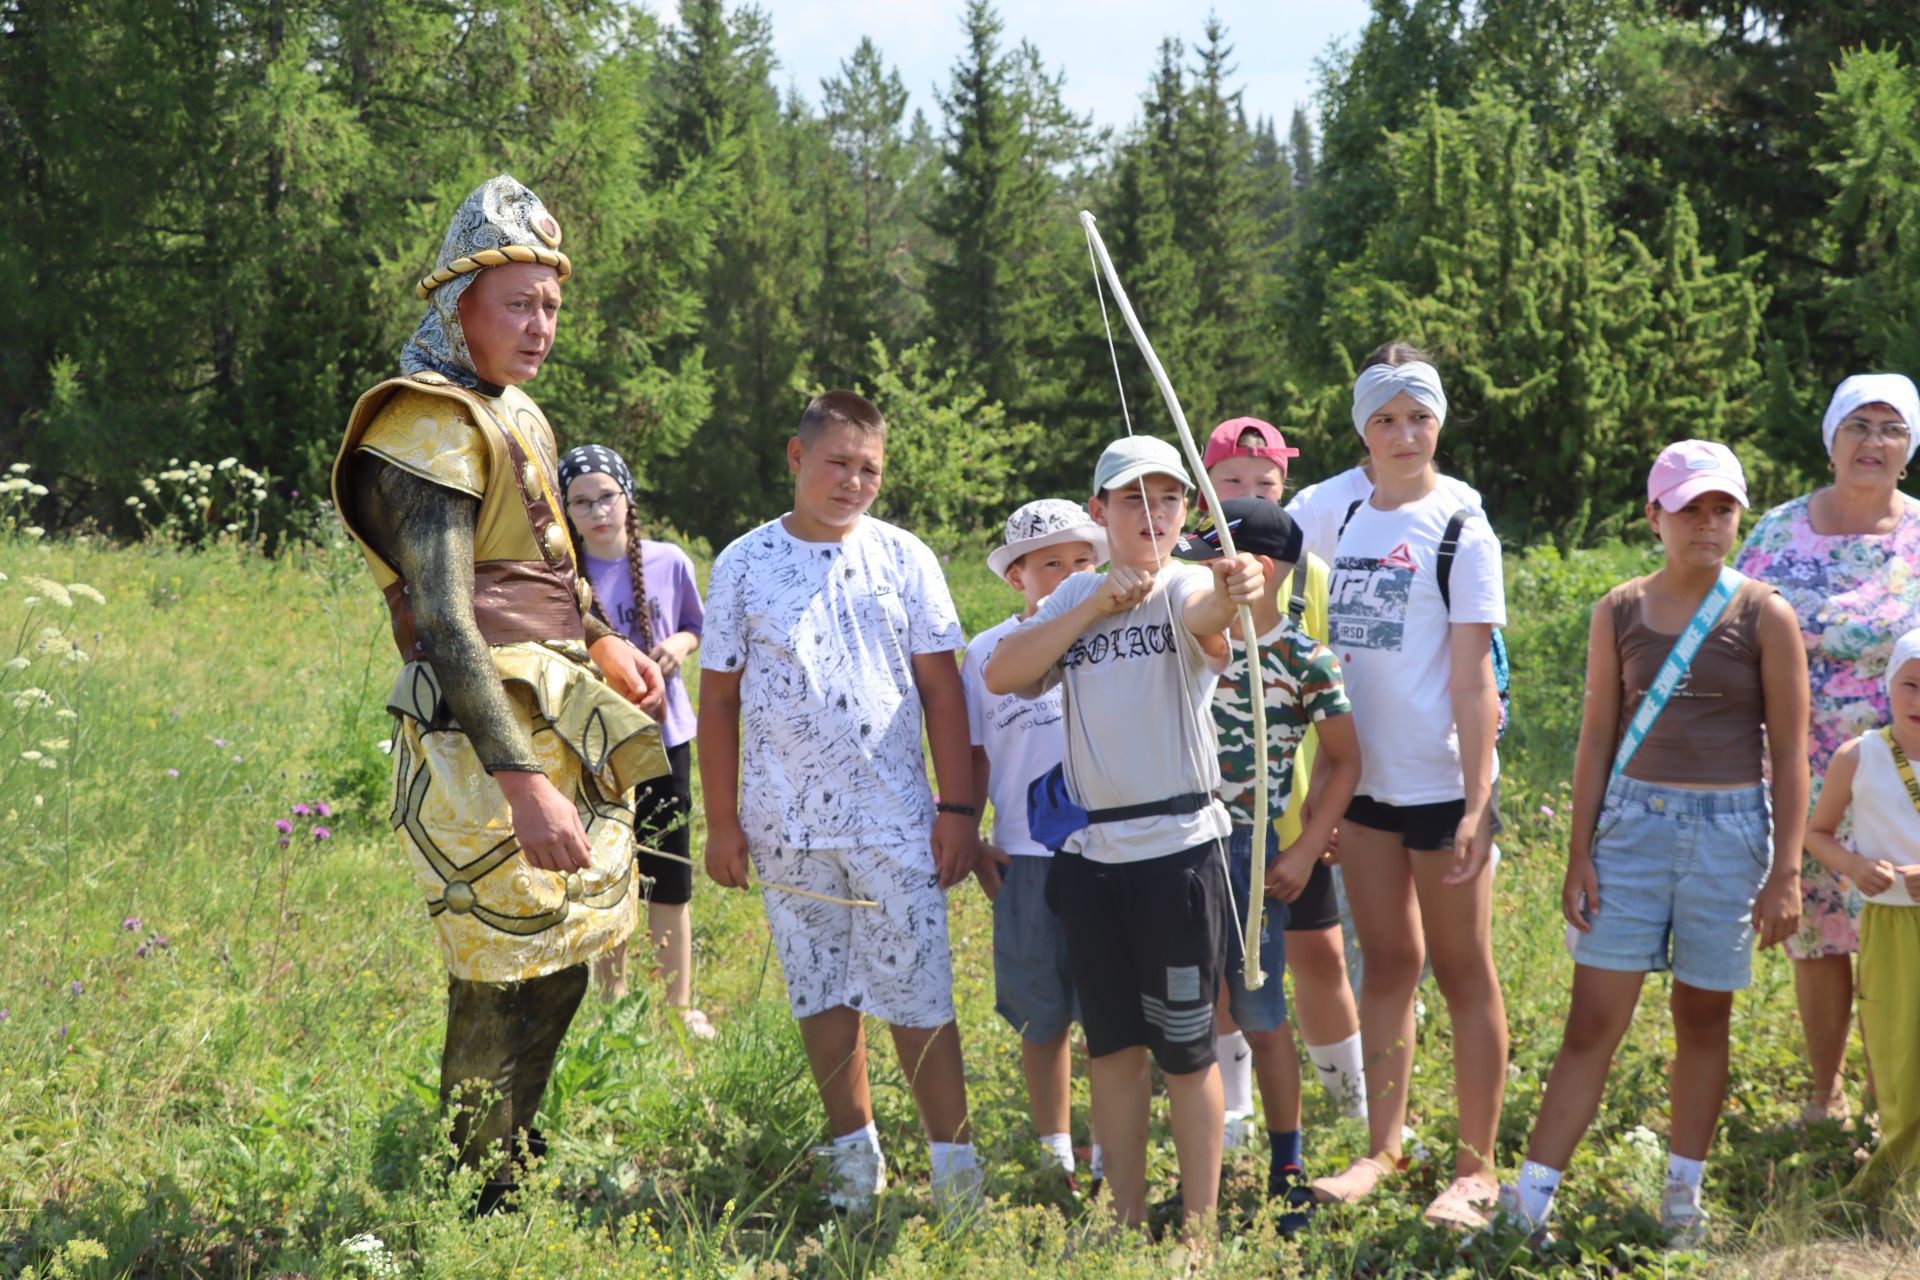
x=949 y=1158
x=1685 y=1172
x=1096 y=1163
x=1536 y=1187
x=1060 y=1147
x=868 y=1137
x=1342 y=1071
x=1236 y=1072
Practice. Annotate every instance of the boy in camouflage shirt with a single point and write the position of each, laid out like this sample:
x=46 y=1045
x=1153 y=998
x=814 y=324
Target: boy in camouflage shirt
x=1303 y=688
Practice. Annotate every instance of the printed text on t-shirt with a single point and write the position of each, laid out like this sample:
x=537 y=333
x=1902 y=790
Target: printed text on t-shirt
x=1120 y=643
x=1367 y=608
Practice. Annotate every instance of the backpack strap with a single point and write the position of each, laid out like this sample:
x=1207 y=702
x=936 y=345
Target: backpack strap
x=1347 y=520
x=1443 y=562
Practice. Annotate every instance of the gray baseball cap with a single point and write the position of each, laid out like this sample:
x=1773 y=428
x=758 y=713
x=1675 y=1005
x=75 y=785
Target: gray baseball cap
x=1129 y=459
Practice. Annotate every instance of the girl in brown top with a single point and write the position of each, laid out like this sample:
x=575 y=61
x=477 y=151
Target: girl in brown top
x=1672 y=864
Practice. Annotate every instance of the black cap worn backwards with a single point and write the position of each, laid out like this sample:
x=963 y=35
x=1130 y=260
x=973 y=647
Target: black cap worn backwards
x=1257 y=526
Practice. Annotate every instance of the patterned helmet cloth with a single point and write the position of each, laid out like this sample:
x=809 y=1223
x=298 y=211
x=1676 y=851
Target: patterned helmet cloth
x=591 y=458
x=500 y=222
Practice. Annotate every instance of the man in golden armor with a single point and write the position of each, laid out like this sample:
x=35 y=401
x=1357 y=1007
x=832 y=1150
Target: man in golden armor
x=517 y=741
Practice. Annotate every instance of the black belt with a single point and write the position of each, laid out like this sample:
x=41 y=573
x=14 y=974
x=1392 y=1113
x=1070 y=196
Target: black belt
x=1192 y=802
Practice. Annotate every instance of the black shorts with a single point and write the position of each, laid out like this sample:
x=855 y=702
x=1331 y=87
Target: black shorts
x=1146 y=945
x=1421 y=827
x=1317 y=907
x=663 y=818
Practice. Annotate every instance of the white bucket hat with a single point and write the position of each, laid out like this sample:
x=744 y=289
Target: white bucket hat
x=1045 y=523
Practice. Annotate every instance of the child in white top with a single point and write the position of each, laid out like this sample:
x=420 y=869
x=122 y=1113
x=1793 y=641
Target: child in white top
x=827 y=634
x=1872 y=780
x=1417 y=838
x=1016 y=740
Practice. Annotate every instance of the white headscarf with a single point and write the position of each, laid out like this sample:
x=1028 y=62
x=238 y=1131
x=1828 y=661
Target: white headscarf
x=1382 y=382
x=1905 y=650
x=1894 y=390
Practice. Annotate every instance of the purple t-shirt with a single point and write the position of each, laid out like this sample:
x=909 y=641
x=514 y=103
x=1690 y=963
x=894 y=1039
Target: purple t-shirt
x=673 y=604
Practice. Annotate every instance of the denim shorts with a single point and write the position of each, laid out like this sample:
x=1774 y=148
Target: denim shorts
x=1678 y=872
x=1265 y=1009
x=1032 y=985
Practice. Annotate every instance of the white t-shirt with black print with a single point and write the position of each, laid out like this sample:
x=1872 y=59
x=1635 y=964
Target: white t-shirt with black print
x=1319 y=508
x=1023 y=738
x=1139 y=726
x=1389 y=629
x=824 y=634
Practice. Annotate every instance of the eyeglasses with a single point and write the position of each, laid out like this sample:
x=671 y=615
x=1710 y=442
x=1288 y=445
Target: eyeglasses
x=1858 y=432
x=587 y=506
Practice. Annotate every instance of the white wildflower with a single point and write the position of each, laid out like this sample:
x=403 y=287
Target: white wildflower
x=50 y=589
x=19 y=662
x=86 y=592
x=49 y=763
x=66 y=713
x=385 y=746
x=20 y=468
x=34 y=531
x=30 y=602
x=228 y=464
x=55 y=744
x=29 y=755
x=36 y=491
x=233 y=528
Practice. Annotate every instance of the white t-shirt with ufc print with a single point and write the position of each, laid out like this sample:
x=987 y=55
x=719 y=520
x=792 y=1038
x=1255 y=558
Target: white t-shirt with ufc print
x=824 y=634
x=1389 y=629
x=1139 y=725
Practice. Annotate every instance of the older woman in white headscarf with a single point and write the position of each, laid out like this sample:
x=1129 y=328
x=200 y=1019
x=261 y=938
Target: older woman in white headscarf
x=1847 y=557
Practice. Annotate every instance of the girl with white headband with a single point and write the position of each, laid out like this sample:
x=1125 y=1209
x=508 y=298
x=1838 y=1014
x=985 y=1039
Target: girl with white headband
x=1417 y=839
x=1847 y=558
x=1320 y=508
x=1872 y=780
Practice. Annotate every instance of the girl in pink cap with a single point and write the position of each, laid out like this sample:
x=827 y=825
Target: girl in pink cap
x=1674 y=864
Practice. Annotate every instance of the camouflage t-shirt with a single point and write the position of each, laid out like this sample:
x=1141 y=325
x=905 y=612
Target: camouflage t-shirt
x=1304 y=687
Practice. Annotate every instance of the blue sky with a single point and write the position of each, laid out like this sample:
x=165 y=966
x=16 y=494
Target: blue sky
x=1107 y=48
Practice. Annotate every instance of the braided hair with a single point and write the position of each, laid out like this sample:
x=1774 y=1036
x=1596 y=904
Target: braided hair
x=587 y=460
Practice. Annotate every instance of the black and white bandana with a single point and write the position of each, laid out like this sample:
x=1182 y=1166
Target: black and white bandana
x=590 y=459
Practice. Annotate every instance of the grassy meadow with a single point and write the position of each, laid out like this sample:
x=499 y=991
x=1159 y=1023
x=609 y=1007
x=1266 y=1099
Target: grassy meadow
x=219 y=1048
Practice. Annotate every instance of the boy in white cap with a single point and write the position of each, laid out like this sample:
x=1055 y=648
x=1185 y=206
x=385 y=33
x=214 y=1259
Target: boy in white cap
x=1016 y=740
x=1142 y=892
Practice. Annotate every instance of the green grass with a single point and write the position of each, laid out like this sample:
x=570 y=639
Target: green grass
x=247 y=1098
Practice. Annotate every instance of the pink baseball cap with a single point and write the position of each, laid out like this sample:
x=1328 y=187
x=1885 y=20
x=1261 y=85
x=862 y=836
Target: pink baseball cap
x=1688 y=468
x=1225 y=443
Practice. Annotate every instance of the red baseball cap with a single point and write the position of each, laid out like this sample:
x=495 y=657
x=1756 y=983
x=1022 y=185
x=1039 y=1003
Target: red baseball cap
x=1225 y=443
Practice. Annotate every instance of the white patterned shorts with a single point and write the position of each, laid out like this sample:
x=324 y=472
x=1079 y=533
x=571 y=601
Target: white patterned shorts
x=891 y=961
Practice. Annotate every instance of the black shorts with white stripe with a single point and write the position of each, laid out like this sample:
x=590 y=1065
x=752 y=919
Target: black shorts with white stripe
x=1147 y=943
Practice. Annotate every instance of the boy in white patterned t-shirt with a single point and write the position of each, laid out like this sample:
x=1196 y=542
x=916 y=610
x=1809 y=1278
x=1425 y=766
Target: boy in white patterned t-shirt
x=828 y=633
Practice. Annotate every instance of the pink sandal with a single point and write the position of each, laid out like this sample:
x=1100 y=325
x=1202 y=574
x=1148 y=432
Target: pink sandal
x=1354 y=1183
x=1465 y=1204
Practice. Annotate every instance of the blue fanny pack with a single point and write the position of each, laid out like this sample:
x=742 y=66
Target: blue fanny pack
x=1052 y=813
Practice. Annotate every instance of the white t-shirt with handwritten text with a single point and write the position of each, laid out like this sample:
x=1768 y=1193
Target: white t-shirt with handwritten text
x=1023 y=738
x=824 y=635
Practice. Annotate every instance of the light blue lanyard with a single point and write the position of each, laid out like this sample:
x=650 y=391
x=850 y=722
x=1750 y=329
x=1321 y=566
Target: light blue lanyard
x=1674 y=669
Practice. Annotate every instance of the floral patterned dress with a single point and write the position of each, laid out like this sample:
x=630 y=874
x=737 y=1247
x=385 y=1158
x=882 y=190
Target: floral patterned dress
x=1855 y=594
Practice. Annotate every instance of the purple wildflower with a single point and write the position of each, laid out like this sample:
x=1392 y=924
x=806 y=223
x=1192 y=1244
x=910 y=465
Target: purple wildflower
x=301 y=811
x=160 y=940
x=295 y=495
x=220 y=743
x=321 y=833
x=284 y=841
x=173 y=773
x=74 y=988
x=63 y=1031
x=130 y=925
x=237 y=760
x=1546 y=811
x=322 y=808
x=5 y=1013
x=140 y=952
x=283 y=825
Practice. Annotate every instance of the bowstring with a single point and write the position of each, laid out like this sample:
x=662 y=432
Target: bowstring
x=1126 y=416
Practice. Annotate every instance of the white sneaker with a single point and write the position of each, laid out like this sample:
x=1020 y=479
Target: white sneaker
x=1681 y=1216
x=856 y=1175
x=1239 y=1130
x=959 y=1196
